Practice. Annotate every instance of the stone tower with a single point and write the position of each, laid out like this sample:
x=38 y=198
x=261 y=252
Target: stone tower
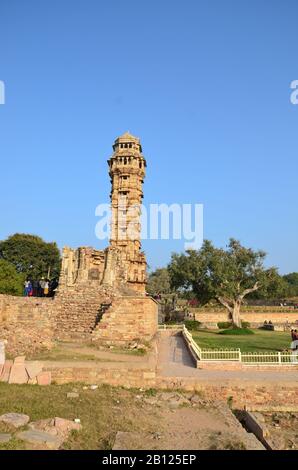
x=125 y=260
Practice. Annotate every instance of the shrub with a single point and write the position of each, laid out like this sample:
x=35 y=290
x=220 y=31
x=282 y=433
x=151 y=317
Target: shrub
x=192 y=324
x=236 y=331
x=11 y=282
x=245 y=324
x=223 y=325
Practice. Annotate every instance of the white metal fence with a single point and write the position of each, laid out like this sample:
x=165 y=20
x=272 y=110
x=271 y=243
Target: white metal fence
x=235 y=355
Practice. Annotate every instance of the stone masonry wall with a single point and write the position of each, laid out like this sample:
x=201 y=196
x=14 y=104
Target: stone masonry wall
x=27 y=323
x=128 y=319
x=255 y=319
x=78 y=310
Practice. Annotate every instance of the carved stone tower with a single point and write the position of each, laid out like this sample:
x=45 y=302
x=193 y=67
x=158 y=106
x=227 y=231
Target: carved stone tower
x=127 y=172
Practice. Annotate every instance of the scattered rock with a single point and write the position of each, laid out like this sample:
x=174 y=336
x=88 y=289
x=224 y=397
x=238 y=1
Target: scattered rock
x=15 y=419
x=93 y=387
x=196 y=400
x=56 y=427
x=40 y=438
x=72 y=395
x=151 y=400
x=4 y=437
x=65 y=426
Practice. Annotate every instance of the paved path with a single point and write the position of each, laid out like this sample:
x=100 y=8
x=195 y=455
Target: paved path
x=174 y=360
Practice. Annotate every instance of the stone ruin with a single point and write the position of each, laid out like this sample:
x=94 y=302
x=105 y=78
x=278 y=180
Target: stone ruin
x=101 y=294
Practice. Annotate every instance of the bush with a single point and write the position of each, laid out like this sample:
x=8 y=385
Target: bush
x=236 y=331
x=245 y=324
x=223 y=325
x=192 y=324
x=11 y=282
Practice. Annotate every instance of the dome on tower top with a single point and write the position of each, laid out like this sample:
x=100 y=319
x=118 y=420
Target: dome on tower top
x=127 y=138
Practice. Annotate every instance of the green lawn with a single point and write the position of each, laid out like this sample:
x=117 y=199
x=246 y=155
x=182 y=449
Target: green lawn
x=261 y=341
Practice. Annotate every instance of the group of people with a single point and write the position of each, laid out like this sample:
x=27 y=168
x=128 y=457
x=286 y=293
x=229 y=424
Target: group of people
x=42 y=288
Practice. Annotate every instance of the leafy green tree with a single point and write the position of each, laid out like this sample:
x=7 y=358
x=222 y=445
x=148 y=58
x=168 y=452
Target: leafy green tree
x=31 y=255
x=225 y=275
x=292 y=282
x=11 y=282
x=159 y=282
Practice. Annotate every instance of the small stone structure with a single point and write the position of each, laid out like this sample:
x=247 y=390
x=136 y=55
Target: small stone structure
x=101 y=294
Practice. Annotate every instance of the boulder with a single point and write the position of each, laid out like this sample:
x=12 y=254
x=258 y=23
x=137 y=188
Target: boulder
x=15 y=419
x=4 y=437
x=40 y=438
x=65 y=426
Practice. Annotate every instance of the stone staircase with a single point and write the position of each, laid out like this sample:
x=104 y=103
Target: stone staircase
x=79 y=311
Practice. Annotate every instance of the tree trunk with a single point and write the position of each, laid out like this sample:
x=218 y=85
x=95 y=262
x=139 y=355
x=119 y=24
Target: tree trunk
x=236 y=314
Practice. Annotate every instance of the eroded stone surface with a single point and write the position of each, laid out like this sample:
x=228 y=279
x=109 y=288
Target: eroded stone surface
x=33 y=369
x=18 y=374
x=15 y=419
x=44 y=378
x=4 y=437
x=40 y=437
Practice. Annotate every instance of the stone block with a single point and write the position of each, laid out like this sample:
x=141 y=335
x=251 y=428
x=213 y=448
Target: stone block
x=6 y=371
x=15 y=419
x=44 y=378
x=18 y=374
x=64 y=426
x=72 y=395
x=33 y=368
x=40 y=438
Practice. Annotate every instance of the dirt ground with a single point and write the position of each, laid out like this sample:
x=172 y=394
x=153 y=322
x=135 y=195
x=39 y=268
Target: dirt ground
x=281 y=429
x=188 y=422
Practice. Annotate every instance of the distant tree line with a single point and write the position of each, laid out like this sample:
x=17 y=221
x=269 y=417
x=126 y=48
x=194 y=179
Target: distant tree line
x=229 y=276
x=25 y=256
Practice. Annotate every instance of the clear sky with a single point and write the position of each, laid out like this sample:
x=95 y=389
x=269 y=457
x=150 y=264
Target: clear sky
x=205 y=84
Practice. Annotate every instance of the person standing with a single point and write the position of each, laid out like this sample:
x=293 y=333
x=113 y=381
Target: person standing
x=46 y=288
x=294 y=349
x=26 y=288
x=42 y=284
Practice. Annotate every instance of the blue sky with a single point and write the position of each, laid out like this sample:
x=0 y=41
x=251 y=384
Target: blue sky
x=205 y=84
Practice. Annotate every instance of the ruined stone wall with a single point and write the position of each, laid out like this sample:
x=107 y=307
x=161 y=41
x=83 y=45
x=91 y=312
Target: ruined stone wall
x=127 y=319
x=79 y=309
x=254 y=318
x=27 y=323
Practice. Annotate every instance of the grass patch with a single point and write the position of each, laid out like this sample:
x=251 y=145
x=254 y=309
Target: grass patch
x=103 y=412
x=59 y=353
x=237 y=332
x=261 y=340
